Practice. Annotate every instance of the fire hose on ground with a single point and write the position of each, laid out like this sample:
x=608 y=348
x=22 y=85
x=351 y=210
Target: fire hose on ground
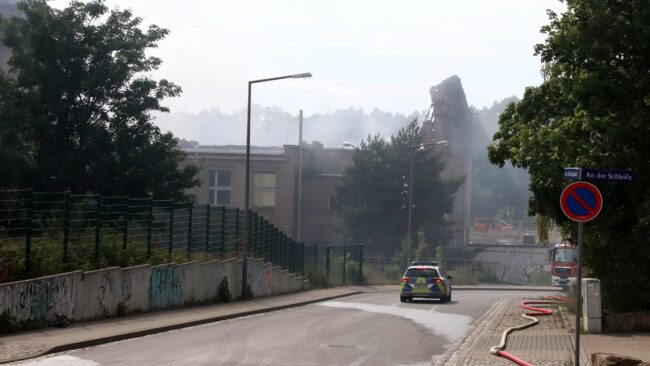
x=533 y=312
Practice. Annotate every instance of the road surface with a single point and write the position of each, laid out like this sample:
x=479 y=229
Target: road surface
x=366 y=329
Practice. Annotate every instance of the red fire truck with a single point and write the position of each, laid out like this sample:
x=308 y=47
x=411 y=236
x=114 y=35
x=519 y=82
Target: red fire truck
x=563 y=264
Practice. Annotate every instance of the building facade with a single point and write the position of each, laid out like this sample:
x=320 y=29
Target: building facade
x=274 y=185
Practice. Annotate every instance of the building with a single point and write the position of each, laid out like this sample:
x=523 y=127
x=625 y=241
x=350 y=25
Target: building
x=275 y=174
x=274 y=185
x=449 y=119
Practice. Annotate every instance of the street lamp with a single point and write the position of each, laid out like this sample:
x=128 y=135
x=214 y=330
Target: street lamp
x=410 y=192
x=348 y=144
x=246 y=239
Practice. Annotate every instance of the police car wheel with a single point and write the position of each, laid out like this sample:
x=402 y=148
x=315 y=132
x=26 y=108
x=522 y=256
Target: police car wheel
x=402 y=299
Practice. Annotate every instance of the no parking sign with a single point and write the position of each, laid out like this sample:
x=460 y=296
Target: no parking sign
x=581 y=201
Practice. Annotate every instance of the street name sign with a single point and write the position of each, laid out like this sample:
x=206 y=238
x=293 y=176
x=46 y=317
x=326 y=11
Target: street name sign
x=581 y=201
x=623 y=176
x=599 y=175
x=572 y=173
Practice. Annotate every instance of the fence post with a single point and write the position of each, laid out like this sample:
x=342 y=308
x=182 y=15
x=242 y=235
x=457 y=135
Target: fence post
x=301 y=250
x=28 y=232
x=360 y=248
x=125 y=235
x=66 y=226
x=171 y=228
x=99 y=226
x=327 y=262
x=189 y=233
x=222 y=249
x=237 y=230
x=265 y=240
x=345 y=250
x=150 y=227
x=207 y=228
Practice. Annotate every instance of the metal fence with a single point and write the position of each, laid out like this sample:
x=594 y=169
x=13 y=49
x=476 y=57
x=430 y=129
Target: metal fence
x=45 y=233
x=344 y=264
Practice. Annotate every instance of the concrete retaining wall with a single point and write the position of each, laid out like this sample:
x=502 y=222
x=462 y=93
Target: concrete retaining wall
x=45 y=300
x=98 y=294
x=514 y=263
x=628 y=322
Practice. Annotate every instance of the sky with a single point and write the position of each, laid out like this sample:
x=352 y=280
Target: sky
x=365 y=54
x=368 y=54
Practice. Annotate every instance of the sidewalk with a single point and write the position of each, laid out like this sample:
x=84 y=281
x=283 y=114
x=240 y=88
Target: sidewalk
x=51 y=340
x=549 y=343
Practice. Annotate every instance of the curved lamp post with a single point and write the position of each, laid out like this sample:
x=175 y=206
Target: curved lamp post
x=410 y=193
x=246 y=238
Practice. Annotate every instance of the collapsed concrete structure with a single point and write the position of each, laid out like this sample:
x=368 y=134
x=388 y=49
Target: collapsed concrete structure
x=449 y=119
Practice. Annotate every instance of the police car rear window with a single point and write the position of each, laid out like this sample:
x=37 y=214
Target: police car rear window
x=421 y=272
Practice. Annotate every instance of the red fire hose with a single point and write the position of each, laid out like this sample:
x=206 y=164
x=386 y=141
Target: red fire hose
x=533 y=311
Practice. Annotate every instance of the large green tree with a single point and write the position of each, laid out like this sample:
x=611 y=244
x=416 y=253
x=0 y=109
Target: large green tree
x=373 y=195
x=76 y=103
x=592 y=110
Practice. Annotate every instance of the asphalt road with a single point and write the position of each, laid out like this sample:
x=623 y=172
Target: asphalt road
x=365 y=329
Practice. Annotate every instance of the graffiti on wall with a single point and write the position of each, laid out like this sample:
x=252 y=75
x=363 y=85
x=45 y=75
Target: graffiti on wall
x=47 y=301
x=268 y=280
x=105 y=294
x=126 y=289
x=165 y=287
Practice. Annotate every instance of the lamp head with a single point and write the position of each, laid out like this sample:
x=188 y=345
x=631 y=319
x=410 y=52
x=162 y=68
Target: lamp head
x=304 y=75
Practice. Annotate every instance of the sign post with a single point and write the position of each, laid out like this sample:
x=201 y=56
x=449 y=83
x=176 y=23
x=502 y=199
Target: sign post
x=580 y=202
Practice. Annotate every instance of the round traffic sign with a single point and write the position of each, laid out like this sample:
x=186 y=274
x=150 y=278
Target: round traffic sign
x=581 y=201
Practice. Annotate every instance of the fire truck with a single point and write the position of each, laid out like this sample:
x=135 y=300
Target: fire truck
x=563 y=264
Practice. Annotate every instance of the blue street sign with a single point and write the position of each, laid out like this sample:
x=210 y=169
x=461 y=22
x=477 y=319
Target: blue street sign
x=572 y=173
x=622 y=176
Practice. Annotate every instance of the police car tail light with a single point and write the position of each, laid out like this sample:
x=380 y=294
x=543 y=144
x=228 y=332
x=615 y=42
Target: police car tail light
x=405 y=279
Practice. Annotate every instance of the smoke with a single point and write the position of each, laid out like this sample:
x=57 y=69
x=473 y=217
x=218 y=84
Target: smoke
x=272 y=126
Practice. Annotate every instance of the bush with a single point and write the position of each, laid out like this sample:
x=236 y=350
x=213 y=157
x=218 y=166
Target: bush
x=122 y=309
x=223 y=293
x=488 y=274
x=393 y=273
x=318 y=278
x=7 y=323
x=539 y=277
x=464 y=275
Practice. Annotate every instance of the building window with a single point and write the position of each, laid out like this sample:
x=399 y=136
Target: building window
x=264 y=185
x=219 y=187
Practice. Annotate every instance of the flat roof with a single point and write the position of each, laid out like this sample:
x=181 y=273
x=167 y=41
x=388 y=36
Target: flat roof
x=234 y=149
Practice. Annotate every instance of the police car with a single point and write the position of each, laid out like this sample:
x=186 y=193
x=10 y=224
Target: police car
x=423 y=279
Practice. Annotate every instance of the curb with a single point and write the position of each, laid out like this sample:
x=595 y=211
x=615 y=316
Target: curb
x=543 y=289
x=145 y=332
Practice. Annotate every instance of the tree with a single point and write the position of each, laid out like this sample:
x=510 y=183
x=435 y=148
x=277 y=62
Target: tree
x=592 y=110
x=372 y=194
x=75 y=105
x=423 y=252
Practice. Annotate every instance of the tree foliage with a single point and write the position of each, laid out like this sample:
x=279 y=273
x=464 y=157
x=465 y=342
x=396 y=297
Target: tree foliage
x=592 y=110
x=495 y=192
x=75 y=105
x=373 y=195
